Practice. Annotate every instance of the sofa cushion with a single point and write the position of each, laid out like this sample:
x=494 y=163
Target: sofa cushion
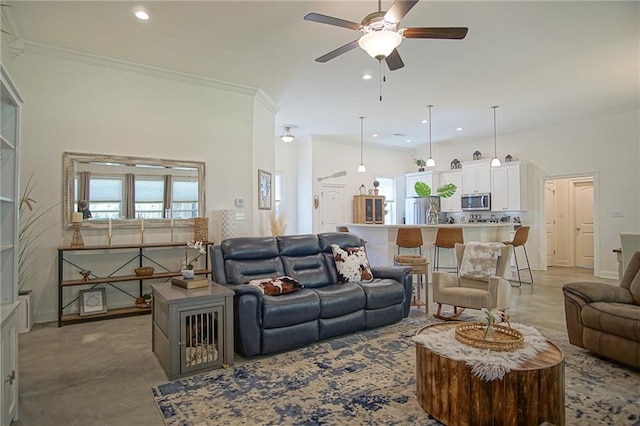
x=352 y=264
x=381 y=293
x=243 y=271
x=290 y=309
x=340 y=299
x=614 y=318
x=276 y=286
x=311 y=271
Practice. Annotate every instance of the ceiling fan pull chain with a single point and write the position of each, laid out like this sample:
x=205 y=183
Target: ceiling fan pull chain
x=381 y=79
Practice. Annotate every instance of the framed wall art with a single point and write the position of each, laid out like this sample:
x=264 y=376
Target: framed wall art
x=92 y=302
x=264 y=190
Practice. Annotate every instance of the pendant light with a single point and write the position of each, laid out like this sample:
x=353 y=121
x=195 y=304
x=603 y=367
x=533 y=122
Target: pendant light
x=361 y=167
x=496 y=161
x=430 y=161
x=287 y=136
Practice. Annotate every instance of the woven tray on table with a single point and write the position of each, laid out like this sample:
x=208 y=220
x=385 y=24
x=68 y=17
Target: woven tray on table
x=502 y=339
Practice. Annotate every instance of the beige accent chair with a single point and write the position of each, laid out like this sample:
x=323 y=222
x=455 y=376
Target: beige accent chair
x=461 y=293
x=604 y=318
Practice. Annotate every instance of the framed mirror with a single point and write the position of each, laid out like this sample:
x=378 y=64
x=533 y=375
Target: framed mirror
x=127 y=189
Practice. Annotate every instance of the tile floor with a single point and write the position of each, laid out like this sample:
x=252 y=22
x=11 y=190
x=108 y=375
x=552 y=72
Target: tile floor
x=101 y=373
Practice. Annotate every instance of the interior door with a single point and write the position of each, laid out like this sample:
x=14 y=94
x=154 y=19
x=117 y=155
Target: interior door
x=550 y=220
x=583 y=213
x=332 y=207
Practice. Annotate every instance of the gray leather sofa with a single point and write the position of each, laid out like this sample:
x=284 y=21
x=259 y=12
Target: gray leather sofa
x=322 y=309
x=605 y=319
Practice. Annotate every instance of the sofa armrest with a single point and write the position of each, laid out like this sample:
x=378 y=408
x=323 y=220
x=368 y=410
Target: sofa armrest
x=590 y=292
x=397 y=273
x=247 y=312
x=402 y=274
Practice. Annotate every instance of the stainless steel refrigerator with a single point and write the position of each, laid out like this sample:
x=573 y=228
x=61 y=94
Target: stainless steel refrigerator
x=418 y=210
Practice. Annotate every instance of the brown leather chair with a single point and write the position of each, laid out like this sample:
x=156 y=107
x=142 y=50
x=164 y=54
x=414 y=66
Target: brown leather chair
x=446 y=238
x=411 y=238
x=519 y=240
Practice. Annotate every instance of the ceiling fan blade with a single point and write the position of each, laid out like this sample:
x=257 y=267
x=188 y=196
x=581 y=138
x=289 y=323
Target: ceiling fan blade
x=394 y=62
x=398 y=9
x=339 y=51
x=447 y=33
x=324 y=19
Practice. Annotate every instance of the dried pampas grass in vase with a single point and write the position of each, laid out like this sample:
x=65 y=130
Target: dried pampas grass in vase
x=278 y=224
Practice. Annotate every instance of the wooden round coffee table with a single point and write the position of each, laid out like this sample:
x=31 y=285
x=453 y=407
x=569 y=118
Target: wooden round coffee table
x=450 y=392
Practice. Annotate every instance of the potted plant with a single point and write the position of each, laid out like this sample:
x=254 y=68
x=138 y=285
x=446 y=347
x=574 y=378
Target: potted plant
x=420 y=163
x=424 y=191
x=32 y=225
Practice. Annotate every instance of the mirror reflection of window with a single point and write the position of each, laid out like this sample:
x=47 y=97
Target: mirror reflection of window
x=277 y=193
x=119 y=187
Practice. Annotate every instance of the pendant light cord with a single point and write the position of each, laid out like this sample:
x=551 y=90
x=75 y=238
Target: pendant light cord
x=361 y=140
x=430 y=106
x=495 y=146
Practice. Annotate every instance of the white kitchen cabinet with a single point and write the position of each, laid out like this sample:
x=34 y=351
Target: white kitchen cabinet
x=430 y=177
x=452 y=204
x=9 y=199
x=476 y=176
x=508 y=183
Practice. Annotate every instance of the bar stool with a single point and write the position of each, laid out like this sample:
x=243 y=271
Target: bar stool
x=446 y=238
x=519 y=239
x=411 y=238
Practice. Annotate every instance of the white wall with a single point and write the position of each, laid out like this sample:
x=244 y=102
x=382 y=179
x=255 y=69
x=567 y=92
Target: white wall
x=286 y=163
x=121 y=109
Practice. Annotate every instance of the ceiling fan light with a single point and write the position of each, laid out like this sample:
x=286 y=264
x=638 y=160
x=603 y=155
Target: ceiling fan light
x=380 y=44
x=431 y=162
x=287 y=136
x=495 y=162
x=362 y=168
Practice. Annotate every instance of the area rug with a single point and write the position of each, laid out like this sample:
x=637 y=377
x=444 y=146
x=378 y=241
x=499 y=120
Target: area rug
x=369 y=378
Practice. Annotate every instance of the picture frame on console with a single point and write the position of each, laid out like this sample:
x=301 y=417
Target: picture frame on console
x=264 y=190
x=92 y=301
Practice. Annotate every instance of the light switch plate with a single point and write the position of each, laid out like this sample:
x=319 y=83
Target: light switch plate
x=617 y=213
x=240 y=216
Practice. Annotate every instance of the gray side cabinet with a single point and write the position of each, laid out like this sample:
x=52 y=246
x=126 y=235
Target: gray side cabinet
x=192 y=329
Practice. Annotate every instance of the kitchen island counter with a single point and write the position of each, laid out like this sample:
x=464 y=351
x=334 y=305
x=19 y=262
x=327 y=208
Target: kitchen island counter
x=381 y=239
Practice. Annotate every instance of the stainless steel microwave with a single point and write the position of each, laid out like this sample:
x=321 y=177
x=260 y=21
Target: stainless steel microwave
x=479 y=201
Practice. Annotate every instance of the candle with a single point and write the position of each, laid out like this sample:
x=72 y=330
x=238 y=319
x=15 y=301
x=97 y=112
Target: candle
x=142 y=223
x=109 y=227
x=76 y=217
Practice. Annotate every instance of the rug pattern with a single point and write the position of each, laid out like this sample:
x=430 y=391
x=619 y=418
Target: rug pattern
x=369 y=378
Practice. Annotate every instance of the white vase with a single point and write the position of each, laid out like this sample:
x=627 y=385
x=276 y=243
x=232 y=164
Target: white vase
x=25 y=311
x=187 y=274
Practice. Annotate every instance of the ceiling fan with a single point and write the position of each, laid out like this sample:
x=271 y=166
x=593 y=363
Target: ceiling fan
x=381 y=33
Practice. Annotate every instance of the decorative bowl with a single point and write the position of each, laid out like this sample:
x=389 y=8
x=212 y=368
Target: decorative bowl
x=145 y=271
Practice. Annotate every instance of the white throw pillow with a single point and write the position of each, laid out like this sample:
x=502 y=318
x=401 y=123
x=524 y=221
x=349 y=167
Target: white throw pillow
x=352 y=264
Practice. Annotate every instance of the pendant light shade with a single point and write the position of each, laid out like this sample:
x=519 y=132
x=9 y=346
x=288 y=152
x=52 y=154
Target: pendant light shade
x=496 y=161
x=361 y=167
x=430 y=161
x=287 y=136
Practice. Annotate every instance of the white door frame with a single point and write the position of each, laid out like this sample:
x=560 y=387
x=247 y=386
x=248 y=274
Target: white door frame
x=542 y=237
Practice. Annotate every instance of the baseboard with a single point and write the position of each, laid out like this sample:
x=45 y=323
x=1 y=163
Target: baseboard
x=613 y=275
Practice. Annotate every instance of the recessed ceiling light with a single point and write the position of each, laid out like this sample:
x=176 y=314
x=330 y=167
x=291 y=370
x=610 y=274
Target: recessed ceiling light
x=141 y=13
x=408 y=140
x=424 y=121
x=375 y=135
x=367 y=76
x=458 y=128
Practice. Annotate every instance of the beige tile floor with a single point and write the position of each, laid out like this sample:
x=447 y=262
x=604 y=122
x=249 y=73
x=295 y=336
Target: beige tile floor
x=101 y=373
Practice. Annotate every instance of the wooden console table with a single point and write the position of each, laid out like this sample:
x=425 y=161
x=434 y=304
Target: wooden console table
x=139 y=256
x=529 y=395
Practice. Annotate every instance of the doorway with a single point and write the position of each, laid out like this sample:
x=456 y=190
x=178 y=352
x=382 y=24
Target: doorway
x=332 y=207
x=569 y=207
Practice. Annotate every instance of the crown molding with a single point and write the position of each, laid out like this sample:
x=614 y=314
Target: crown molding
x=42 y=49
x=263 y=98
